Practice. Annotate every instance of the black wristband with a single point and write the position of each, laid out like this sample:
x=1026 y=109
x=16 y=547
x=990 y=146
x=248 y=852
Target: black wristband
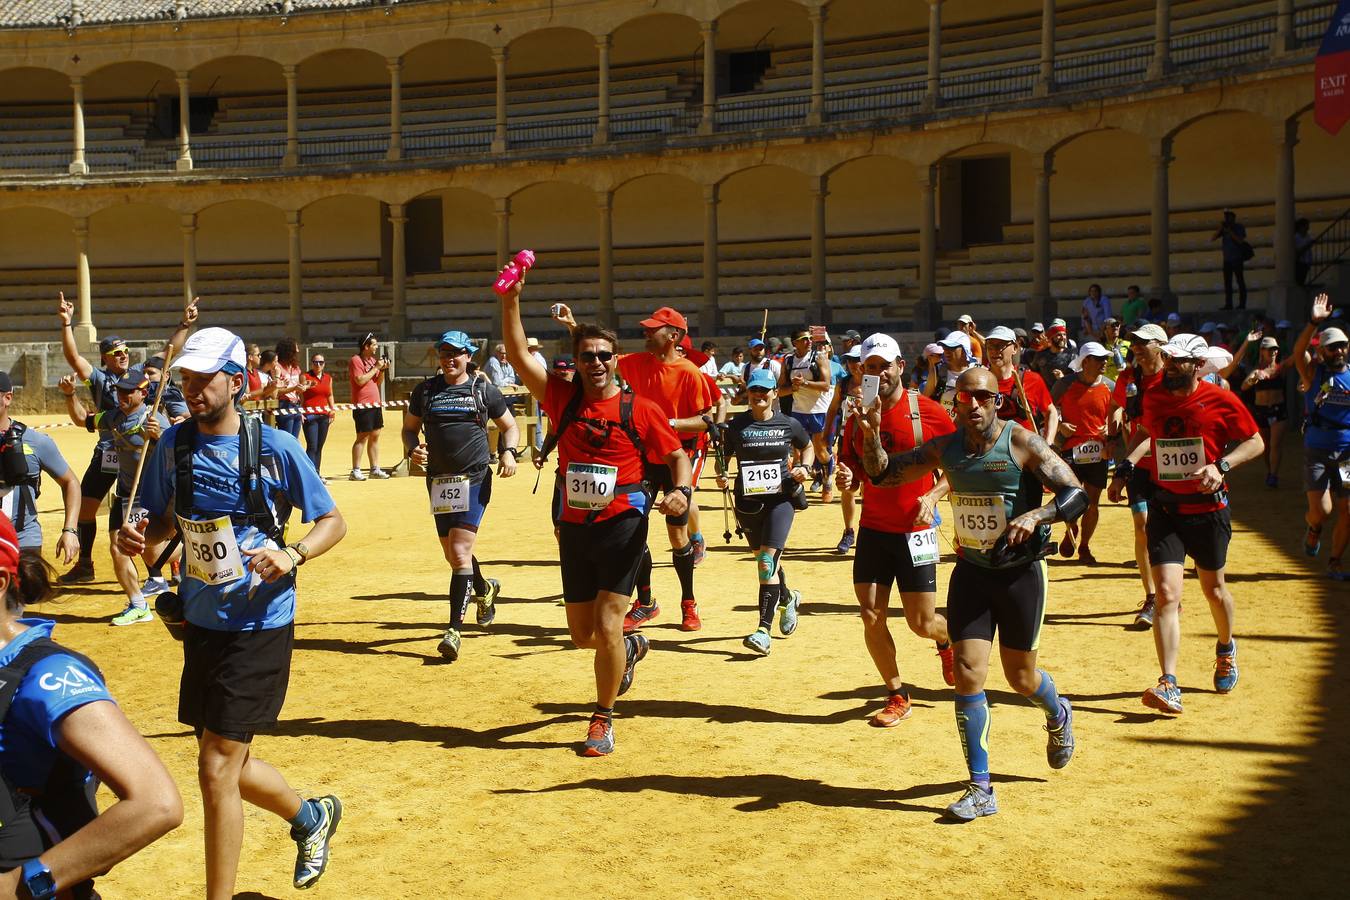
x=515 y=454
x=684 y=489
x=1124 y=469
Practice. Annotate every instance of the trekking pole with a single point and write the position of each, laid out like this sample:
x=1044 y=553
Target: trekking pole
x=154 y=411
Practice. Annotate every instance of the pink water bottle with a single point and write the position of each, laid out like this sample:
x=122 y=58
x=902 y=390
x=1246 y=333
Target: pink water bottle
x=514 y=271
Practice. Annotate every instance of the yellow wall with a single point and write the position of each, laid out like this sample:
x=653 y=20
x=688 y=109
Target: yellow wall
x=341 y=228
x=554 y=215
x=241 y=231
x=134 y=235
x=1103 y=173
x=768 y=201
x=873 y=194
x=468 y=224
x=36 y=238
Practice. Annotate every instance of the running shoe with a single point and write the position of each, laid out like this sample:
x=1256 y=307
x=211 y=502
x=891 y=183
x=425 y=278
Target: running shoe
x=689 y=620
x=133 y=615
x=312 y=857
x=827 y=493
x=1143 y=619
x=486 y=611
x=847 y=541
x=1059 y=744
x=357 y=475
x=895 y=711
x=449 y=645
x=1085 y=556
x=948 y=656
x=154 y=587
x=974 y=803
x=599 y=736
x=377 y=472
x=1164 y=696
x=81 y=573
x=1335 y=571
x=639 y=615
x=1312 y=541
x=1226 y=671
x=635 y=648
x=700 y=549
x=787 y=614
x=1272 y=480
x=760 y=642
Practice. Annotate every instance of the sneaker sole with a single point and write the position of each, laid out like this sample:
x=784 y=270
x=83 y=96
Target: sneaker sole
x=1153 y=701
x=755 y=648
x=594 y=752
x=149 y=618
x=951 y=814
x=327 y=856
x=877 y=723
x=77 y=579
x=691 y=626
x=450 y=654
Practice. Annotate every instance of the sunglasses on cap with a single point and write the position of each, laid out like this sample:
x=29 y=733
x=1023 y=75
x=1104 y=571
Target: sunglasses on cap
x=589 y=356
x=979 y=398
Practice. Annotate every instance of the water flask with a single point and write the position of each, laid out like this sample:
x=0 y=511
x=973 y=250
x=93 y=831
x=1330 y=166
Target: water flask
x=515 y=269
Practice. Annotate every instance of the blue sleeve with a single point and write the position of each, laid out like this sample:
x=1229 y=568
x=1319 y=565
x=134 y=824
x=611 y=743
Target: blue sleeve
x=157 y=482
x=98 y=383
x=54 y=687
x=299 y=480
x=49 y=459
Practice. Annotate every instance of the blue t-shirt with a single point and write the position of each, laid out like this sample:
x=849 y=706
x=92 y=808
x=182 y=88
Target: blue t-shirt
x=41 y=455
x=126 y=432
x=837 y=372
x=245 y=604
x=100 y=383
x=1328 y=407
x=53 y=687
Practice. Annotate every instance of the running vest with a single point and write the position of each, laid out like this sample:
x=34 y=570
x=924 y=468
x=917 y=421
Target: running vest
x=1327 y=404
x=14 y=470
x=988 y=492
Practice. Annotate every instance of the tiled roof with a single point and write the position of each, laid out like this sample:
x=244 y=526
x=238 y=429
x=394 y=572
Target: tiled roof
x=62 y=13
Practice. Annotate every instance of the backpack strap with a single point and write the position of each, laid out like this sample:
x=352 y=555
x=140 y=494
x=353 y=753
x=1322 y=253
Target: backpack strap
x=569 y=415
x=250 y=476
x=479 y=391
x=915 y=416
x=183 y=441
x=626 y=423
x=12 y=674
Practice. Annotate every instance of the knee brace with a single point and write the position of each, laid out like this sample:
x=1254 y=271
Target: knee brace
x=767 y=560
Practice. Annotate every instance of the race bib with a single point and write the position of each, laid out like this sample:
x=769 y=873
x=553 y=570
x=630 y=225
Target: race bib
x=980 y=519
x=110 y=464
x=138 y=515
x=210 y=550
x=923 y=548
x=1088 y=452
x=8 y=496
x=1178 y=457
x=761 y=478
x=590 y=486
x=1345 y=474
x=449 y=494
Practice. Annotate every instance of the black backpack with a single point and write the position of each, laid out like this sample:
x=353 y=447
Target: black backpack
x=14 y=469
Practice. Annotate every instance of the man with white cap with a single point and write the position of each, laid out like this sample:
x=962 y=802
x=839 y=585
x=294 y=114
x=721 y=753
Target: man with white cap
x=1026 y=397
x=1326 y=442
x=957 y=357
x=1084 y=401
x=897 y=541
x=219 y=479
x=1191 y=425
x=966 y=325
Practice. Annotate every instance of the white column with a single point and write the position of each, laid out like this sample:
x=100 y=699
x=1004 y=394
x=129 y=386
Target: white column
x=1041 y=306
x=602 y=45
x=820 y=190
x=184 y=163
x=189 y=228
x=398 y=277
x=708 y=310
x=295 y=320
x=1162 y=39
x=395 y=151
x=77 y=164
x=604 y=201
x=85 y=334
x=816 y=114
x=709 y=122
x=933 y=97
x=499 y=61
x=1284 y=27
x=292 y=157
x=1160 y=152
x=928 y=314
x=1046 y=82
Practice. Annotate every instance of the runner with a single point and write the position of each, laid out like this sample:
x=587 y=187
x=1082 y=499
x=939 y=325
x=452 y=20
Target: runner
x=1326 y=442
x=999 y=583
x=1136 y=482
x=24 y=455
x=1189 y=423
x=454 y=410
x=1084 y=401
x=1264 y=391
x=898 y=539
x=807 y=379
x=957 y=357
x=220 y=479
x=101 y=473
x=126 y=430
x=1028 y=401
x=605 y=436
x=768 y=493
x=849 y=386
x=698 y=454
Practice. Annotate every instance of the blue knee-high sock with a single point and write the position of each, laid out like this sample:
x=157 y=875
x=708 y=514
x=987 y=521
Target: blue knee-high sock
x=1046 y=697
x=972 y=724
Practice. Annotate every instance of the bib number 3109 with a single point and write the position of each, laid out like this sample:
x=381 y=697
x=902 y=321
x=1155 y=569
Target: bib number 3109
x=1178 y=458
x=211 y=551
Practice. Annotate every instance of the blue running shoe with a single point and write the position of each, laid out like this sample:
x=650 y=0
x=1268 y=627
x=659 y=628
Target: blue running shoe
x=974 y=803
x=635 y=648
x=760 y=642
x=847 y=541
x=313 y=855
x=1059 y=745
x=1312 y=541
x=599 y=736
x=1164 y=696
x=787 y=613
x=1226 y=670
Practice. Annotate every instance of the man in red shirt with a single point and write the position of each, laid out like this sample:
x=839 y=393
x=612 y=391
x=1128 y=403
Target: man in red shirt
x=1084 y=401
x=1191 y=423
x=897 y=540
x=1027 y=399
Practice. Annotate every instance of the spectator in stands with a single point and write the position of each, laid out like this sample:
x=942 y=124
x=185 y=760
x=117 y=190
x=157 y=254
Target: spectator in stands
x=1135 y=306
x=1052 y=363
x=498 y=370
x=966 y=325
x=1096 y=310
x=709 y=349
x=286 y=374
x=365 y=373
x=1117 y=348
x=318 y=394
x=532 y=345
x=1172 y=325
x=1236 y=252
x=1155 y=312
x=732 y=367
x=1303 y=241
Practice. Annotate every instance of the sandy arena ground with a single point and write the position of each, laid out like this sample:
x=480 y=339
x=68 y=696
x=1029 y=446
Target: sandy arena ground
x=739 y=775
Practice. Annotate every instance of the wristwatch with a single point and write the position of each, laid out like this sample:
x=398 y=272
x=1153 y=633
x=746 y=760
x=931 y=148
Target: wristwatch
x=38 y=880
x=515 y=454
x=687 y=491
x=1223 y=465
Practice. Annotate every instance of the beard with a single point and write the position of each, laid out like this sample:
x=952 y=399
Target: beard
x=1176 y=382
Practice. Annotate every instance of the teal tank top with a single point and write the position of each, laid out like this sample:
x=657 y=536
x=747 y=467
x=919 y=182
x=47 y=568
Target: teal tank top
x=988 y=492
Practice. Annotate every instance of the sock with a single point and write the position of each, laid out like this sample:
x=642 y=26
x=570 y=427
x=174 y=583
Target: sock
x=972 y=724
x=1225 y=649
x=154 y=572
x=683 y=559
x=461 y=586
x=644 y=577
x=138 y=600
x=480 y=587
x=308 y=818
x=1046 y=698
x=829 y=467
x=783 y=593
x=901 y=691
x=88 y=531
x=768 y=603
x=604 y=712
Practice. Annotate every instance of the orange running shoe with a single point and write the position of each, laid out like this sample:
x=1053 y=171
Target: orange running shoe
x=639 y=615
x=948 y=656
x=599 y=736
x=896 y=710
x=689 y=620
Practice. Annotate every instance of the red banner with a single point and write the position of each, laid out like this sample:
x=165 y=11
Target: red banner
x=1331 y=72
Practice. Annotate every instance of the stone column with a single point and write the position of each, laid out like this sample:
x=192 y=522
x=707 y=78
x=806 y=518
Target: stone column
x=933 y=97
x=816 y=115
x=1041 y=307
x=605 y=307
x=708 y=311
x=709 y=122
x=499 y=61
x=1282 y=291
x=77 y=164
x=398 y=278
x=295 y=319
x=85 y=333
x=1046 y=82
x=602 y=45
x=820 y=190
x=1162 y=39
x=189 y=228
x=928 y=314
x=292 y=157
x=502 y=210
x=1284 y=27
x=395 y=151
x=184 y=163
x=1160 y=152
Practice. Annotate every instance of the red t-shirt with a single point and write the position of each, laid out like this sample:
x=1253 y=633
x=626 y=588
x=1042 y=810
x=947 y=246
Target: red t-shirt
x=678 y=388
x=1086 y=407
x=1211 y=413
x=652 y=426
x=892 y=509
x=1038 y=395
x=370 y=391
x=1151 y=383
x=318 y=390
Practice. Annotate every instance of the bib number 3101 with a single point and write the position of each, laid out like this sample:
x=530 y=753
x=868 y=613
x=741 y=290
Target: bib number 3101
x=210 y=550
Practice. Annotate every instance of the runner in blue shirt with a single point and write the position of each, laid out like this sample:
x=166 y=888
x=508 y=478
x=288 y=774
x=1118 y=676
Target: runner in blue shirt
x=24 y=455
x=1326 y=439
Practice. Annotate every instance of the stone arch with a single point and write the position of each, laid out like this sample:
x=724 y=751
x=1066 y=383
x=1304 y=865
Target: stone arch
x=764 y=202
x=1249 y=154
x=129 y=81
x=555 y=48
x=872 y=193
x=649 y=37
x=342 y=68
x=241 y=230
x=748 y=24
x=1080 y=160
x=236 y=74
x=556 y=214
x=658 y=209
x=345 y=225
x=134 y=233
x=447 y=60
x=23 y=85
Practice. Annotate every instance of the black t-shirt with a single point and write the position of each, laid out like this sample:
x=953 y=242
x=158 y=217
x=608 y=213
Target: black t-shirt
x=455 y=426
x=770 y=441
x=1046 y=361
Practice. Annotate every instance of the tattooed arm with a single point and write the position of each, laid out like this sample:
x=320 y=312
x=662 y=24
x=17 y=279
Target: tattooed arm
x=1031 y=451
x=886 y=469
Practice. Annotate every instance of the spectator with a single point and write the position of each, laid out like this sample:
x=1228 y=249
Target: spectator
x=1236 y=251
x=1155 y=312
x=1117 y=348
x=532 y=345
x=732 y=367
x=966 y=325
x=1096 y=310
x=709 y=349
x=365 y=373
x=1052 y=363
x=1172 y=325
x=499 y=372
x=1303 y=241
x=318 y=394
x=1135 y=307
x=286 y=374
x=851 y=339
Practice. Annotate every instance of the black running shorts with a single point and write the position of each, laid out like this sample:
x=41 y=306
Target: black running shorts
x=882 y=558
x=767 y=527
x=1091 y=474
x=234 y=682
x=1203 y=537
x=981 y=601
x=96 y=482
x=602 y=556
x=368 y=420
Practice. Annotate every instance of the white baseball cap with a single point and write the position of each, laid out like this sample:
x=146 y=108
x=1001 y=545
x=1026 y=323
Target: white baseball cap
x=210 y=350
x=1001 y=333
x=854 y=352
x=1331 y=336
x=958 y=339
x=882 y=345
x=1091 y=348
x=933 y=349
x=1215 y=358
x=965 y=320
x=1186 y=346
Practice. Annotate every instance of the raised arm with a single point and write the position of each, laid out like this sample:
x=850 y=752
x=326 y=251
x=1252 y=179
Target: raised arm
x=74 y=408
x=65 y=310
x=1228 y=370
x=531 y=374
x=180 y=334
x=1321 y=311
x=885 y=469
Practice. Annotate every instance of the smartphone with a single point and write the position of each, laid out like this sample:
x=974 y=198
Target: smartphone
x=871 y=386
x=819 y=334
x=555 y=310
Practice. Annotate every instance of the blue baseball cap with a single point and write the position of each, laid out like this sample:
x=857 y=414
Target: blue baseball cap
x=457 y=339
x=755 y=342
x=762 y=378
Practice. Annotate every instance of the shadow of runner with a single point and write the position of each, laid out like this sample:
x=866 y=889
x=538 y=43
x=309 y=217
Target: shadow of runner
x=388 y=731
x=707 y=712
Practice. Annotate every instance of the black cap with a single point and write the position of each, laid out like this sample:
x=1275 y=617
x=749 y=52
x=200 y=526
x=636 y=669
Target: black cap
x=155 y=362
x=852 y=335
x=6 y=385
x=110 y=343
x=133 y=380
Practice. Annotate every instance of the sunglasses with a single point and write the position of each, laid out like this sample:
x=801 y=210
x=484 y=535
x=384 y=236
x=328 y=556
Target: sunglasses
x=121 y=352
x=587 y=356
x=979 y=398
x=449 y=350
x=319 y=362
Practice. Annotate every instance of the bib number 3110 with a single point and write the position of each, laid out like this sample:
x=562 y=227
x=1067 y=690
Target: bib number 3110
x=590 y=486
